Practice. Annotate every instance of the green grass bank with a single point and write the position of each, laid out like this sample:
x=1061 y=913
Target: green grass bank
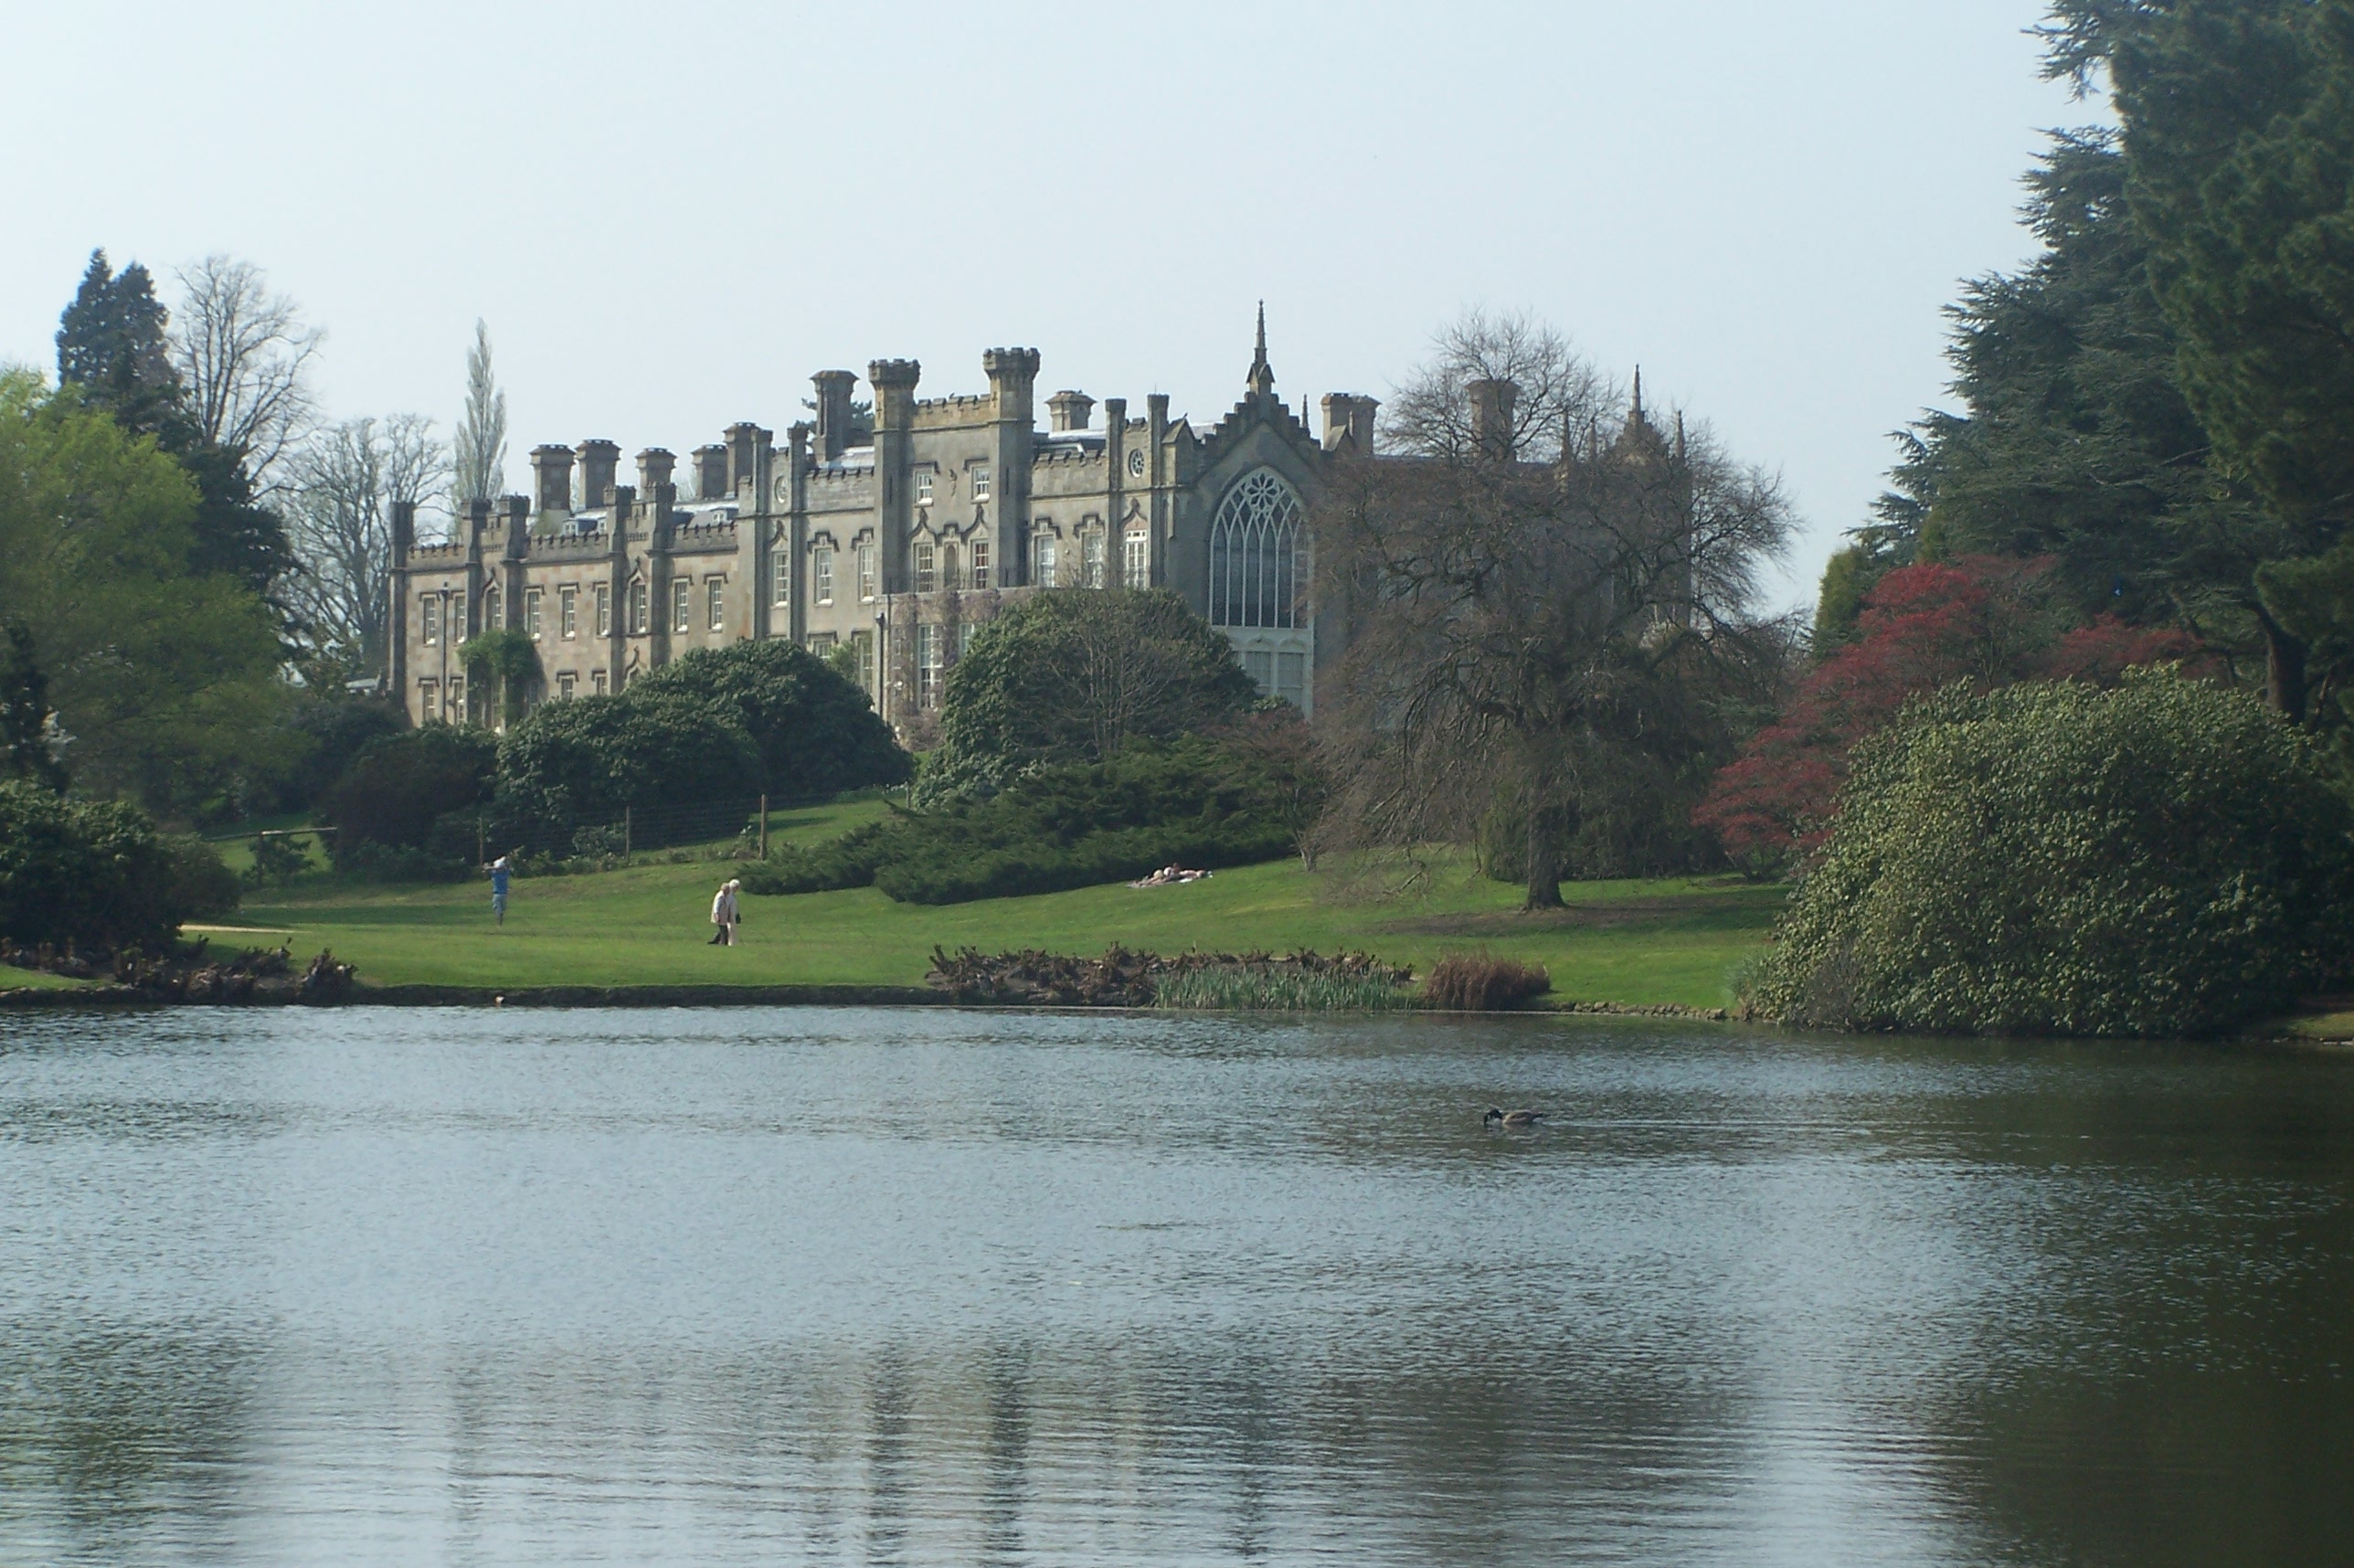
x=1645 y=944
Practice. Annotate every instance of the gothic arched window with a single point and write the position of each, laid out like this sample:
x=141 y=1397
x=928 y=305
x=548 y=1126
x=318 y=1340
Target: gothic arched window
x=1255 y=567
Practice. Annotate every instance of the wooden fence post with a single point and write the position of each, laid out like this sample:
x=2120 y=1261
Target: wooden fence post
x=764 y=827
x=625 y=832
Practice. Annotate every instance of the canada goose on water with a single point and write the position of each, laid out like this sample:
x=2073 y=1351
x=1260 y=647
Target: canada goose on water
x=1499 y=1116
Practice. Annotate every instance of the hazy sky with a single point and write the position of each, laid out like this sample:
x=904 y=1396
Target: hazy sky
x=670 y=216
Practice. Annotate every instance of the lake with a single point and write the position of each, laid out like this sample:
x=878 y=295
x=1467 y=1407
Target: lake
x=722 y=1286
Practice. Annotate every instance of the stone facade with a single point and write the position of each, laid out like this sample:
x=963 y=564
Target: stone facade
x=896 y=544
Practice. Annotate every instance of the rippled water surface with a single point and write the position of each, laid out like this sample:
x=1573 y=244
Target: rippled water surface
x=737 y=1286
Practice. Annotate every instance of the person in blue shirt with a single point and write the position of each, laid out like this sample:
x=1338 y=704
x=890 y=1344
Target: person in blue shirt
x=499 y=873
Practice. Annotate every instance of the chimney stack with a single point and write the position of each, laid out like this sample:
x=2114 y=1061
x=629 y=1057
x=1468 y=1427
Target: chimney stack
x=747 y=444
x=600 y=461
x=1491 y=417
x=655 y=465
x=551 y=469
x=833 y=412
x=1068 y=411
x=710 y=472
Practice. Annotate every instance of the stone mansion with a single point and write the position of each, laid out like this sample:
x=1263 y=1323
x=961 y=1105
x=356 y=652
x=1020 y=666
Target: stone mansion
x=894 y=543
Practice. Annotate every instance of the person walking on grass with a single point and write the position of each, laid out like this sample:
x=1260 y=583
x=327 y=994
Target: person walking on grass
x=725 y=914
x=500 y=871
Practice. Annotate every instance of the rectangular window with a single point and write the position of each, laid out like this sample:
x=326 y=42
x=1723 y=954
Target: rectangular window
x=429 y=694
x=951 y=567
x=1045 y=547
x=431 y=610
x=979 y=564
x=1259 y=664
x=681 y=590
x=924 y=488
x=866 y=571
x=926 y=577
x=531 y=612
x=714 y=594
x=604 y=609
x=565 y=684
x=1091 y=557
x=781 y=577
x=1291 y=678
x=927 y=667
x=568 y=611
x=457 y=699
x=458 y=617
x=596 y=683
x=821 y=573
x=823 y=644
x=981 y=483
x=638 y=607
x=862 y=647
x=1136 y=558
x=963 y=638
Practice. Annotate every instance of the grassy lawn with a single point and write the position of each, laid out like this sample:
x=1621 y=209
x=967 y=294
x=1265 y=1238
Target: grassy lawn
x=1640 y=943
x=14 y=979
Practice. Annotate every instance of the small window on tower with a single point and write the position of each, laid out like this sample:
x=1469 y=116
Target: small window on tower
x=568 y=608
x=531 y=612
x=781 y=577
x=924 y=488
x=980 y=484
x=604 y=609
x=430 y=609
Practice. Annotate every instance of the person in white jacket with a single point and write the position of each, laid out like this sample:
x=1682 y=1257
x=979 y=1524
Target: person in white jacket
x=724 y=914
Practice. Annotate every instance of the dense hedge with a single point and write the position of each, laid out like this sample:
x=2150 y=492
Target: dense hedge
x=816 y=733
x=2167 y=858
x=1192 y=803
x=96 y=873
x=716 y=727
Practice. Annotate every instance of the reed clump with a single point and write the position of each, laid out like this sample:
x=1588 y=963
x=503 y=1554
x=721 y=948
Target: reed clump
x=1471 y=983
x=1277 y=989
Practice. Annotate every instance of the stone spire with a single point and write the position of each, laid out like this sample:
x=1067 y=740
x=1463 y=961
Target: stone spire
x=1261 y=379
x=1637 y=416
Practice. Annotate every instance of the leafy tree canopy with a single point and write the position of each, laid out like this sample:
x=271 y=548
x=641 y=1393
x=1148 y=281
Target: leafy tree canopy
x=816 y=733
x=114 y=352
x=164 y=680
x=1072 y=677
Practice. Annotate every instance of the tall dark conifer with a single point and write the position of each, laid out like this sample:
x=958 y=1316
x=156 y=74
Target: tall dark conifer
x=113 y=343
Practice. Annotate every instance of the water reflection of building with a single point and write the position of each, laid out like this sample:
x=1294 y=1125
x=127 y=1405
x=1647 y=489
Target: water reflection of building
x=892 y=531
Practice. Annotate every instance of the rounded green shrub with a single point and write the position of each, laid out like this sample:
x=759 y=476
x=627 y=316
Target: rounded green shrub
x=97 y=874
x=2167 y=858
x=1072 y=677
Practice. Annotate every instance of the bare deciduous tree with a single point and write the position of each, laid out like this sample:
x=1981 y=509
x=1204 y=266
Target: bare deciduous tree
x=1539 y=615
x=481 y=439
x=343 y=482
x=243 y=353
